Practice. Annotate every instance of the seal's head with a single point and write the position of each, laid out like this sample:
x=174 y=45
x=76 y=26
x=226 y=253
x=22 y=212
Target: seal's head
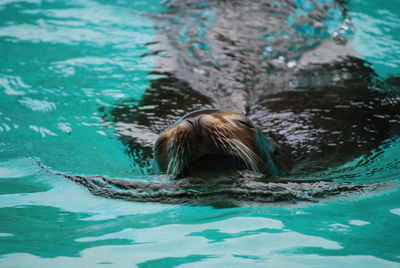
x=206 y=136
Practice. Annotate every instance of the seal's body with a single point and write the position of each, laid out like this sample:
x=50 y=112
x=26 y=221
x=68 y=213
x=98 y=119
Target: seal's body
x=282 y=64
x=210 y=132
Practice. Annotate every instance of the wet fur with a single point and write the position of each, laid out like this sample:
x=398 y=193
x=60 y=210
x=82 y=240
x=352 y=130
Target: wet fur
x=177 y=146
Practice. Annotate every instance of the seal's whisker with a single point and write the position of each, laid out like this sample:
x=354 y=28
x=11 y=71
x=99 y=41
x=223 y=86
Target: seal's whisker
x=224 y=145
x=242 y=153
x=228 y=148
x=171 y=157
x=182 y=159
x=253 y=159
x=249 y=156
x=175 y=155
x=217 y=144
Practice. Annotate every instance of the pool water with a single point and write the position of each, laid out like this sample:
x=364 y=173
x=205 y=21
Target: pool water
x=64 y=63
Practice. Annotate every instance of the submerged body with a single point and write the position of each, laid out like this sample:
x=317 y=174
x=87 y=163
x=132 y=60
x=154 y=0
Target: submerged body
x=283 y=67
x=293 y=75
x=280 y=65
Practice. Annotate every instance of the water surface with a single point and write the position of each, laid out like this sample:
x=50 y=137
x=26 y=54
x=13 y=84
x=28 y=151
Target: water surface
x=66 y=65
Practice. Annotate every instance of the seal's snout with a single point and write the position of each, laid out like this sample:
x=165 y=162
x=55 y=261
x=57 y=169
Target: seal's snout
x=196 y=125
x=202 y=138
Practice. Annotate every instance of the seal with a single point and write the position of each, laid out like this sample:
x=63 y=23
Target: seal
x=211 y=132
x=302 y=88
x=265 y=71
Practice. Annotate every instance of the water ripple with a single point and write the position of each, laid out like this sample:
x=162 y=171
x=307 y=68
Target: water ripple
x=13 y=85
x=38 y=105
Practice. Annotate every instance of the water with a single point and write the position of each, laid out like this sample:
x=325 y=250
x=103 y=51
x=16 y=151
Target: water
x=69 y=71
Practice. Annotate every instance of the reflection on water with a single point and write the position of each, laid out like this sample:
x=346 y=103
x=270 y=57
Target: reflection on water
x=86 y=86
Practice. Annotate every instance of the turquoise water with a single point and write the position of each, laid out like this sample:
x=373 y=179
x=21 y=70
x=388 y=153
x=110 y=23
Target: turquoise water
x=63 y=63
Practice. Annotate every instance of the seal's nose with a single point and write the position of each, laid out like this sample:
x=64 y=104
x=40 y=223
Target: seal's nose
x=196 y=126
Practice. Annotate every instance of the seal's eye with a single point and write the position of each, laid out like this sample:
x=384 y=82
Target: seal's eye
x=246 y=124
x=158 y=143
